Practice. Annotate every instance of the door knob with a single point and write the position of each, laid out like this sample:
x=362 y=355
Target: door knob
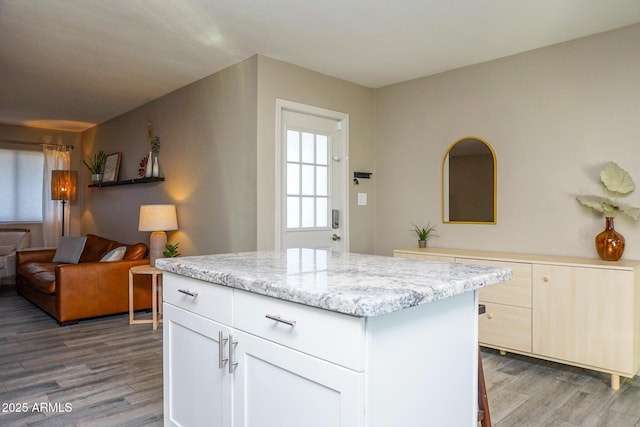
x=335 y=237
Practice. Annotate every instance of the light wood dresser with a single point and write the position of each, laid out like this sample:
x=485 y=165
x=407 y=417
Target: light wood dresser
x=578 y=311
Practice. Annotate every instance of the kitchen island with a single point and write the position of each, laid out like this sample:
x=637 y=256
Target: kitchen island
x=307 y=337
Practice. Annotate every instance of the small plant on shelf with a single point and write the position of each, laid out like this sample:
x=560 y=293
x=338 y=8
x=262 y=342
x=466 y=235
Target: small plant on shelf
x=425 y=234
x=96 y=165
x=171 y=251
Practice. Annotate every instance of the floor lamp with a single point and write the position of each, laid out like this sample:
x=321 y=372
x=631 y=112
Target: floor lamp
x=64 y=187
x=158 y=219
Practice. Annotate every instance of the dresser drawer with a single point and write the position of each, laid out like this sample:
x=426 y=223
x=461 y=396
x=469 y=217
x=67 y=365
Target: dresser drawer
x=516 y=291
x=331 y=336
x=506 y=326
x=209 y=300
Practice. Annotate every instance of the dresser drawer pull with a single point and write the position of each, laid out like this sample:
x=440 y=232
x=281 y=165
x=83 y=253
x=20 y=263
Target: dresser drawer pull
x=281 y=320
x=188 y=292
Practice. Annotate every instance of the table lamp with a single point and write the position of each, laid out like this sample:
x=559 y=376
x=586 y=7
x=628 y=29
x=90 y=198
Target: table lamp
x=64 y=187
x=157 y=219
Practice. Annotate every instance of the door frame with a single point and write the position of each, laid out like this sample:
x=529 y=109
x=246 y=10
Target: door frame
x=283 y=104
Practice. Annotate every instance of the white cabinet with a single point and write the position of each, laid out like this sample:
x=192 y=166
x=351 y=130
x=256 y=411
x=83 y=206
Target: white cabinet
x=582 y=312
x=293 y=365
x=277 y=386
x=194 y=388
x=216 y=373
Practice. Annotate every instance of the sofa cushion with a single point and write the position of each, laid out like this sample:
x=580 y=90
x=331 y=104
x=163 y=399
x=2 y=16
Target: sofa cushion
x=97 y=247
x=116 y=254
x=45 y=282
x=42 y=275
x=70 y=249
x=7 y=249
x=29 y=268
x=135 y=252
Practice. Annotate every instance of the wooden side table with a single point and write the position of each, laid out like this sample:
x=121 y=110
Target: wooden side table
x=156 y=294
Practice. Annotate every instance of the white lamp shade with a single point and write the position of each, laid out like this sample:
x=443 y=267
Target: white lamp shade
x=158 y=218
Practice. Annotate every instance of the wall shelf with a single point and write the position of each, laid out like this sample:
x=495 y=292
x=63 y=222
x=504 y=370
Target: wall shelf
x=127 y=182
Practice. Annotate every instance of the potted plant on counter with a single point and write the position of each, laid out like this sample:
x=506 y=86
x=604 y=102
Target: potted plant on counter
x=96 y=165
x=425 y=234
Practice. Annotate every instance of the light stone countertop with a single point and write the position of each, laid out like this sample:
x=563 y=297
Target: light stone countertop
x=354 y=284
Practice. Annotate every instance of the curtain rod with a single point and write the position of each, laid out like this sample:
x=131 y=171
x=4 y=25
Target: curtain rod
x=42 y=144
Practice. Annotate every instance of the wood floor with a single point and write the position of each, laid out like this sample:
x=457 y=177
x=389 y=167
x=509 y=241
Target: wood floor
x=101 y=372
x=526 y=392
x=109 y=373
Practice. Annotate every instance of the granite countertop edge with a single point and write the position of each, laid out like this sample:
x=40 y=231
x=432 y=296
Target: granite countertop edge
x=352 y=284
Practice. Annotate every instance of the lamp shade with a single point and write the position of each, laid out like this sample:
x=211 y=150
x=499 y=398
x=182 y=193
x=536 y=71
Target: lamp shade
x=64 y=185
x=158 y=218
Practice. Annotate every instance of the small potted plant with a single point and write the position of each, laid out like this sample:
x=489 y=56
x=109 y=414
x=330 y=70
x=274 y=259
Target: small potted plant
x=171 y=251
x=425 y=234
x=96 y=165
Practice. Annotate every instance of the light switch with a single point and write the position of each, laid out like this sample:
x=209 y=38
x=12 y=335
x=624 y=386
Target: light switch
x=362 y=199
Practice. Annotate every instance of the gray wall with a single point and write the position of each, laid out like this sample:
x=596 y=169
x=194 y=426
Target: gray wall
x=208 y=155
x=218 y=157
x=554 y=116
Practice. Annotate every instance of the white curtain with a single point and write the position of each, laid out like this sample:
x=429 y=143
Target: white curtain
x=56 y=157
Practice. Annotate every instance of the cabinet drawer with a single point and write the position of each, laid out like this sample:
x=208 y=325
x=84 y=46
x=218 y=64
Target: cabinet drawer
x=331 y=336
x=506 y=326
x=516 y=291
x=212 y=301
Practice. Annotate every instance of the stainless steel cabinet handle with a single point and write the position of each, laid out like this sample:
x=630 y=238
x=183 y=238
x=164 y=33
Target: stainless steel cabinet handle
x=188 y=292
x=221 y=341
x=232 y=344
x=280 y=319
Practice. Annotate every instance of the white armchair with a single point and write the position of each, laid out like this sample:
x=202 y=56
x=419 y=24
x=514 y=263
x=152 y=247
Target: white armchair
x=11 y=240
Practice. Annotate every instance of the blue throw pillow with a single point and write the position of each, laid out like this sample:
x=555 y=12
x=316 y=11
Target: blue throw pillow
x=70 y=250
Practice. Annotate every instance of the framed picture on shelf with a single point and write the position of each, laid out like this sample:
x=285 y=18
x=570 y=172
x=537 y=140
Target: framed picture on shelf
x=112 y=168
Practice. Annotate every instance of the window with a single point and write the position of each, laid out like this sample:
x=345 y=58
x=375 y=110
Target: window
x=307 y=180
x=21 y=189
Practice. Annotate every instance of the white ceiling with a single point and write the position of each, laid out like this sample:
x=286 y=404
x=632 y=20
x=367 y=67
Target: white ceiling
x=70 y=64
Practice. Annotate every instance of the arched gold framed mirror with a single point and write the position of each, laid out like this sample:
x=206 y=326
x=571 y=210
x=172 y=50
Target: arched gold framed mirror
x=469 y=191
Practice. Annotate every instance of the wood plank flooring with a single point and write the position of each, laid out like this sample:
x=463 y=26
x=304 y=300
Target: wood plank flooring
x=527 y=392
x=101 y=372
x=109 y=373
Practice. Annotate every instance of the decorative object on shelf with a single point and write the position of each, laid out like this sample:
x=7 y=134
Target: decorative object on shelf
x=157 y=219
x=64 y=186
x=96 y=165
x=152 y=167
x=156 y=167
x=142 y=166
x=617 y=181
x=171 y=251
x=425 y=234
x=112 y=167
x=609 y=243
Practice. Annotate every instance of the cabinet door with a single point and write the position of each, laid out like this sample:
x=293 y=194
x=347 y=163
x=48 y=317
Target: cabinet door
x=277 y=386
x=584 y=315
x=196 y=391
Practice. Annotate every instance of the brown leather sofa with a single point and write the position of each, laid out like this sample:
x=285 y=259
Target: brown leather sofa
x=70 y=292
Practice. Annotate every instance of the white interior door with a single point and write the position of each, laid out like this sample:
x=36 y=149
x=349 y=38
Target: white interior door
x=312 y=188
